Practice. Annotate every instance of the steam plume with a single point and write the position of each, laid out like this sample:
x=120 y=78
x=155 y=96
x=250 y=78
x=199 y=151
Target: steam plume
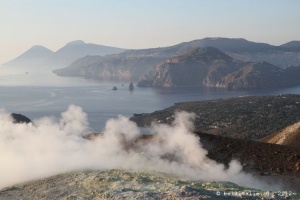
x=50 y=146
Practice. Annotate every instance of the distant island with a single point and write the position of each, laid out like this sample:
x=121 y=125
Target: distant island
x=41 y=56
x=230 y=63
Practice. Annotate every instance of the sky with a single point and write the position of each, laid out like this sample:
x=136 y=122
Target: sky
x=139 y=24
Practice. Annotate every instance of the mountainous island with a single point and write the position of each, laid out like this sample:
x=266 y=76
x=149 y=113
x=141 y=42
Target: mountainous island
x=232 y=63
x=41 y=56
x=209 y=62
x=36 y=55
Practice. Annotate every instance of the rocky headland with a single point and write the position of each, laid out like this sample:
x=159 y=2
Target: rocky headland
x=209 y=67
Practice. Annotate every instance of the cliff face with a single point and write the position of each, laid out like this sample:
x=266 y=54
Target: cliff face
x=250 y=76
x=130 y=64
x=189 y=69
x=211 y=68
x=257 y=75
x=110 y=67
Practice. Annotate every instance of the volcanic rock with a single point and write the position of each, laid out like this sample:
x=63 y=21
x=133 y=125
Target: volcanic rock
x=19 y=118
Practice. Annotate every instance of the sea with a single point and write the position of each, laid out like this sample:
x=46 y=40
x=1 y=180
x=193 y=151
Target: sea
x=37 y=92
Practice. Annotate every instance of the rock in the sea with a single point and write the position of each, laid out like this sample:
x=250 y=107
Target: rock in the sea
x=131 y=87
x=114 y=88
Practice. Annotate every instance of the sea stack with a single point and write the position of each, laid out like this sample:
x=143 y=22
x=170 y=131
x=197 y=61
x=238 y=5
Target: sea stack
x=114 y=88
x=131 y=87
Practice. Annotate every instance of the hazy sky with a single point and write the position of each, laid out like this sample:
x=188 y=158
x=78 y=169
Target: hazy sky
x=142 y=23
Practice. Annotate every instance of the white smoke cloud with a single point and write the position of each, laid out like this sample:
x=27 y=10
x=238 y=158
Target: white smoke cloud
x=48 y=147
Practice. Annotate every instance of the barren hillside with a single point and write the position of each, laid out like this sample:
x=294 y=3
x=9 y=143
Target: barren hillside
x=288 y=136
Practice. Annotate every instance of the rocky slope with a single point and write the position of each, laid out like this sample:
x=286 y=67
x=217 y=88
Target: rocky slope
x=212 y=68
x=289 y=136
x=252 y=51
x=189 y=69
x=245 y=50
x=293 y=46
x=254 y=75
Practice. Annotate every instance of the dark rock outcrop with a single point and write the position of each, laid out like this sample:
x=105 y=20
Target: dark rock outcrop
x=114 y=88
x=19 y=118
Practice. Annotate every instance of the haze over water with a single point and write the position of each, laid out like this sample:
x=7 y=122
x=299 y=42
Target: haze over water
x=38 y=92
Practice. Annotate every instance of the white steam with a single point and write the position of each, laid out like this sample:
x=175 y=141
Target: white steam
x=49 y=147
